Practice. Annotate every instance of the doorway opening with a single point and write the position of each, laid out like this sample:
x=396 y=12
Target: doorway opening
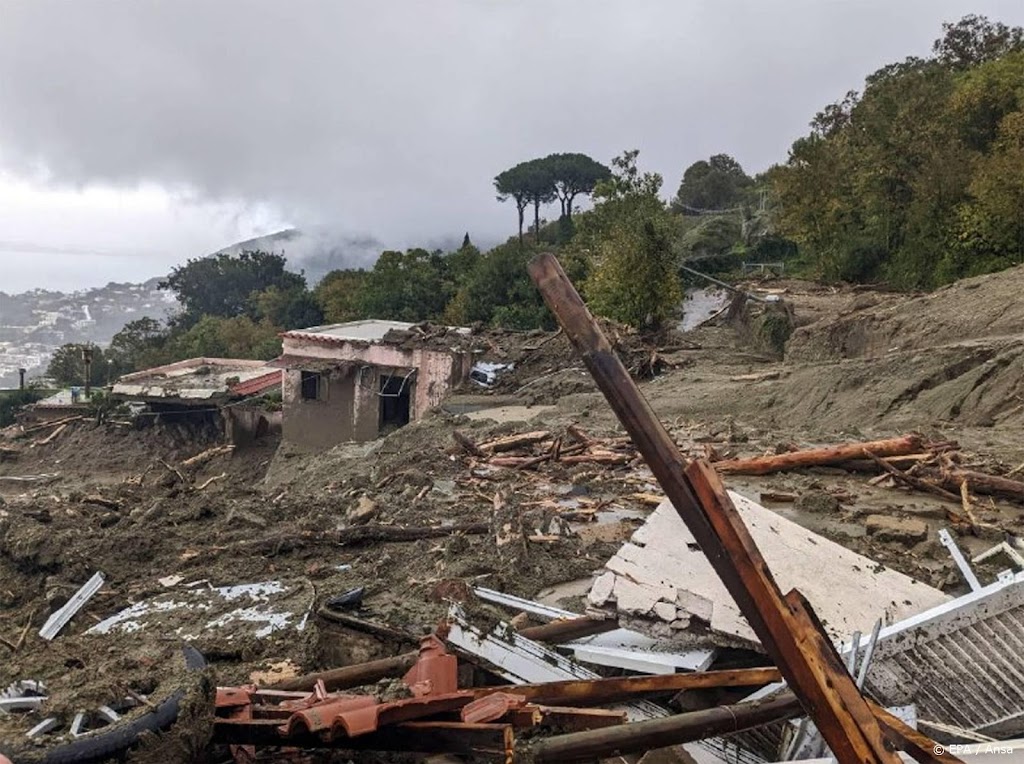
x=395 y=401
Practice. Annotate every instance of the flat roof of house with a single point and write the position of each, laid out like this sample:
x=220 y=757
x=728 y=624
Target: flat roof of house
x=369 y=330
x=196 y=378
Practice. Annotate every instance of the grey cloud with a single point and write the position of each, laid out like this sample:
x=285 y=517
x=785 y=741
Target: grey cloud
x=389 y=119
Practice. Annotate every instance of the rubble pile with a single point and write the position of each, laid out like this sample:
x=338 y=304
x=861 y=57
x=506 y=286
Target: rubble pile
x=553 y=587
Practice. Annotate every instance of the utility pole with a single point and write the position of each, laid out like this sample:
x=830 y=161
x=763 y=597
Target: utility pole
x=87 y=359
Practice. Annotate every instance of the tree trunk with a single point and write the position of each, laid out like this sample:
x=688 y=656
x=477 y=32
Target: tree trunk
x=568 y=205
x=522 y=209
x=536 y=220
x=817 y=457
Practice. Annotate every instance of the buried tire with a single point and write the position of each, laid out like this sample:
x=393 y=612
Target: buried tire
x=120 y=736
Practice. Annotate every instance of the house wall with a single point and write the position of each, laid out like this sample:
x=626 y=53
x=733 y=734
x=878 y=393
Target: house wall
x=244 y=424
x=321 y=423
x=437 y=371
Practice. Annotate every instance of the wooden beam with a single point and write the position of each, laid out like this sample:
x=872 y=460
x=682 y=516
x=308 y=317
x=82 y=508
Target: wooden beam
x=659 y=733
x=356 y=675
x=588 y=692
x=569 y=629
x=696 y=493
x=917 y=745
x=818 y=457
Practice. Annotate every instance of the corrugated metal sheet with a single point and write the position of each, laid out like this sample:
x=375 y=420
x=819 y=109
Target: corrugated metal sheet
x=961 y=663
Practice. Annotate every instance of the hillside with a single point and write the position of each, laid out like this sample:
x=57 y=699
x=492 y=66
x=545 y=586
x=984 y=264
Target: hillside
x=34 y=324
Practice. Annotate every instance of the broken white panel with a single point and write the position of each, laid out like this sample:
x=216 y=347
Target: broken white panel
x=44 y=726
x=521 y=660
x=619 y=648
x=661 y=583
x=24 y=703
x=256 y=610
x=958 y=557
x=960 y=663
x=60 y=617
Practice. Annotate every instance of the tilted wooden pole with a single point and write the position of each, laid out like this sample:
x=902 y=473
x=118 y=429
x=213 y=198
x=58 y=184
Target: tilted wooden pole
x=807 y=658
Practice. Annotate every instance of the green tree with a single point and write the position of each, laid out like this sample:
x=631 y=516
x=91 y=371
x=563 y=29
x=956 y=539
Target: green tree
x=223 y=285
x=137 y=346
x=291 y=308
x=539 y=179
x=12 y=401
x=629 y=234
x=67 y=366
x=513 y=184
x=409 y=286
x=990 y=224
x=889 y=183
x=338 y=294
x=572 y=175
x=716 y=184
x=974 y=39
x=500 y=292
x=219 y=337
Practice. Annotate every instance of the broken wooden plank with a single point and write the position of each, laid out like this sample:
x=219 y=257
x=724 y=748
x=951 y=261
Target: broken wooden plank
x=819 y=457
x=809 y=664
x=917 y=745
x=592 y=692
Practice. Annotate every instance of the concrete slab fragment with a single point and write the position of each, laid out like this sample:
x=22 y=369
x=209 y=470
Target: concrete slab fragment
x=662 y=564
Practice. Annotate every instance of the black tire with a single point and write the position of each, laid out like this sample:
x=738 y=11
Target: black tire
x=107 y=743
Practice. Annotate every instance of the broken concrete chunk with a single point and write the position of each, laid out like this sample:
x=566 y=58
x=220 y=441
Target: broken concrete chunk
x=666 y=611
x=661 y=564
x=889 y=528
x=362 y=512
x=601 y=591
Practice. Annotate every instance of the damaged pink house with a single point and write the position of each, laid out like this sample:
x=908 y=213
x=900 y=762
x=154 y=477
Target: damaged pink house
x=357 y=380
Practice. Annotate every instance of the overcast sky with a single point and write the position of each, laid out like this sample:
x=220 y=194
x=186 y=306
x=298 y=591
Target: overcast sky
x=135 y=134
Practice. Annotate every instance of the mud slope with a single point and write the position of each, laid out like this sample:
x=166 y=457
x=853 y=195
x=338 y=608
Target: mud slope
x=978 y=308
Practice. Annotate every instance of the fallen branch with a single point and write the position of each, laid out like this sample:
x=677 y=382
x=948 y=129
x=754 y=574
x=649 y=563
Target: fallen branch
x=659 y=733
x=587 y=692
x=818 y=457
x=913 y=482
x=208 y=481
x=511 y=442
x=53 y=423
x=981 y=482
x=173 y=470
x=207 y=455
x=52 y=436
x=367 y=627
